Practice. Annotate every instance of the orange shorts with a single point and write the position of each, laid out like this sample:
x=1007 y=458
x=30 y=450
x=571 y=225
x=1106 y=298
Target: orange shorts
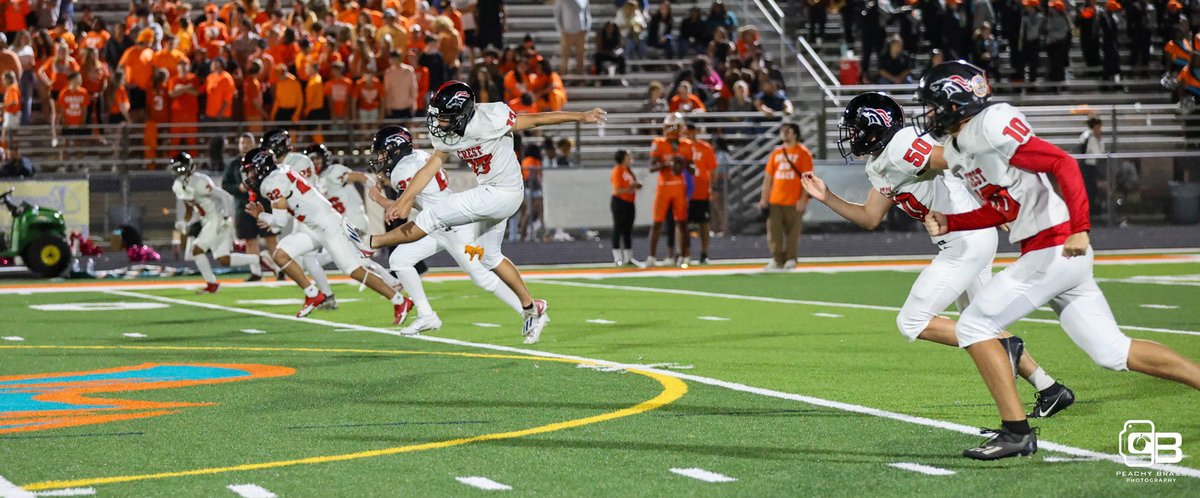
x=674 y=200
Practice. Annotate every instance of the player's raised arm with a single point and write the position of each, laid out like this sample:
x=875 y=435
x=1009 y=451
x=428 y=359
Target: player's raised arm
x=867 y=215
x=403 y=206
x=534 y=120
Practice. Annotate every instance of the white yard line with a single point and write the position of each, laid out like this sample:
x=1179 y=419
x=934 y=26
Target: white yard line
x=483 y=483
x=253 y=331
x=923 y=469
x=1159 y=306
x=827 y=315
x=134 y=335
x=713 y=318
x=703 y=475
x=13 y=338
x=486 y=325
x=742 y=297
x=250 y=491
x=837 y=405
x=67 y=492
x=1054 y=459
x=1150 y=281
x=10 y=490
x=601 y=321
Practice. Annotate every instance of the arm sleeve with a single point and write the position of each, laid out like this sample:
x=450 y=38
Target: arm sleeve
x=1039 y=156
x=984 y=217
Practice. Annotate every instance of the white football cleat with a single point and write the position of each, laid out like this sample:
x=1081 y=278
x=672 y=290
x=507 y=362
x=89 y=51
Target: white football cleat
x=772 y=265
x=650 y=262
x=535 y=320
x=789 y=265
x=423 y=323
x=360 y=239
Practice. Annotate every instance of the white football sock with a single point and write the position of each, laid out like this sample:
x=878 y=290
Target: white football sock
x=626 y=255
x=617 y=256
x=411 y=280
x=205 y=268
x=508 y=296
x=398 y=298
x=314 y=268
x=1040 y=379
x=242 y=259
x=311 y=291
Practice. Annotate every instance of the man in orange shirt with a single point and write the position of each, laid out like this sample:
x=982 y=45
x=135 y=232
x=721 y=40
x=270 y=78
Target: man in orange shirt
x=783 y=197
x=72 y=107
x=670 y=155
x=137 y=61
x=158 y=106
x=704 y=166
x=289 y=96
x=253 y=112
x=212 y=34
x=338 y=91
x=185 y=104
x=368 y=94
x=220 y=88
x=169 y=57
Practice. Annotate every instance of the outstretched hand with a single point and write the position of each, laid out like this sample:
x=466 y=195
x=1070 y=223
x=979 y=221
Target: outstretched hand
x=595 y=116
x=814 y=185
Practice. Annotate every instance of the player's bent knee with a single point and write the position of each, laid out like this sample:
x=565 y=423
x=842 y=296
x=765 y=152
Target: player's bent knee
x=911 y=324
x=971 y=330
x=281 y=258
x=1115 y=357
x=491 y=261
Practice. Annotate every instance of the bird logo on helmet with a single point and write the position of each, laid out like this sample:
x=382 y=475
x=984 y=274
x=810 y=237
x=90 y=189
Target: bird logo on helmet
x=950 y=93
x=256 y=165
x=868 y=124
x=450 y=109
x=278 y=141
x=315 y=152
x=392 y=143
x=181 y=165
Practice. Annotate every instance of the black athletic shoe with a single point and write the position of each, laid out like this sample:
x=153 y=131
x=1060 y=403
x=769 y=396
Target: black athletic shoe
x=1004 y=444
x=1014 y=346
x=254 y=278
x=1052 y=400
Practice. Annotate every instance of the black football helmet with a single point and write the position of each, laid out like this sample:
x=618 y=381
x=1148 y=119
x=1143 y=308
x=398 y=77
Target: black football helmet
x=868 y=124
x=391 y=144
x=951 y=92
x=318 y=151
x=181 y=165
x=256 y=165
x=278 y=141
x=454 y=102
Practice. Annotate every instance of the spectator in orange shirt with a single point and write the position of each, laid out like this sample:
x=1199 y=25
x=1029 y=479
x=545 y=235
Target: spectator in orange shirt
x=95 y=81
x=684 y=100
x=72 y=106
x=339 y=91
x=158 y=110
x=552 y=94
x=253 y=112
x=289 y=96
x=314 y=95
x=368 y=94
x=139 y=70
x=625 y=187
x=284 y=52
x=12 y=108
x=449 y=43
x=783 y=197
x=55 y=72
x=14 y=14
x=219 y=88
x=185 y=104
x=169 y=57
x=97 y=38
x=521 y=80
x=212 y=34
x=117 y=98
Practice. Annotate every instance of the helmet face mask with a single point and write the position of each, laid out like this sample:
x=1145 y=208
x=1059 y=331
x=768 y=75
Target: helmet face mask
x=256 y=165
x=392 y=143
x=319 y=155
x=181 y=165
x=278 y=141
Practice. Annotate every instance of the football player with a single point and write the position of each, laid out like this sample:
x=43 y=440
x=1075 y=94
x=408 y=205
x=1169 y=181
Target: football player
x=481 y=136
x=318 y=226
x=337 y=182
x=396 y=161
x=213 y=206
x=898 y=166
x=671 y=155
x=992 y=148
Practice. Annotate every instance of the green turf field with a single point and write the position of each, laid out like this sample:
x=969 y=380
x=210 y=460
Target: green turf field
x=222 y=390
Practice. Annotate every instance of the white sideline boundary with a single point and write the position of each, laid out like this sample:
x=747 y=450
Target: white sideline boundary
x=837 y=405
x=779 y=300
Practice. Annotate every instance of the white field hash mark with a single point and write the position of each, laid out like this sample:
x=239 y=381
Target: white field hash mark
x=250 y=491
x=601 y=321
x=486 y=325
x=10 y=490
x=733 y=386
x=253 y=331
x=1160 y=306
x=827 y=315
x=134 y=335
x=713 y=318
x=13 y=338
x=923 y=469
x=67 y=492
x=703 y=475
x=483 y=483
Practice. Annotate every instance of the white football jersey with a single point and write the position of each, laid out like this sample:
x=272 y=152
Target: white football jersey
x=980 y=156
x=488 y=146
x=301 y=164
x=893 y=174
x=342 y=194
x=406 y=168
x=305 y=202
x=211 y=201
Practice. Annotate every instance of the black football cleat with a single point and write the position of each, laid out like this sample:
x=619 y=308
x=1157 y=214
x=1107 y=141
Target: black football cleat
x=1015 y=347
x=1004 y=444
x=1052 y=400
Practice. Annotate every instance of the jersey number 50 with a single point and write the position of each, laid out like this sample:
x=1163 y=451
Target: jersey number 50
x=918 y=153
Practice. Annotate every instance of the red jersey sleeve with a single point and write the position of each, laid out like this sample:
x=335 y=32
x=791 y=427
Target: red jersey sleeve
x=1039 y=156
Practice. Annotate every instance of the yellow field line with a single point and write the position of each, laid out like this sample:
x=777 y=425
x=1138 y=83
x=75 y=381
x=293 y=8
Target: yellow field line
x=673 y=389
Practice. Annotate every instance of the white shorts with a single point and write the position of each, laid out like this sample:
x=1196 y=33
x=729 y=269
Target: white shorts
x=12 y=120
x=1046 y=276
x=483 y=211
x=958 y=272
x=305 y=239
x=458 y=244
x=216 y=237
